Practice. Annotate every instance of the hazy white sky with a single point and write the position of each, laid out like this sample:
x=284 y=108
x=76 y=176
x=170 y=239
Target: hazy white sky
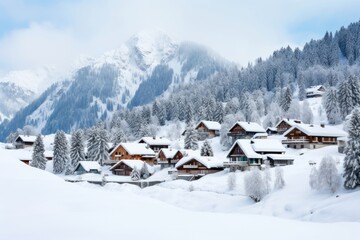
x=37 y=33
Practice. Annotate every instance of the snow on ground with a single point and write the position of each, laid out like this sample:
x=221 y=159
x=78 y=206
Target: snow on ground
x=39 y=205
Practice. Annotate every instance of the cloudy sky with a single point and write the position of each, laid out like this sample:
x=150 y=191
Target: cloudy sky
x=37 y=33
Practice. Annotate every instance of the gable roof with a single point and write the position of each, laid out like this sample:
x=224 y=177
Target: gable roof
x=317 y=130
x=250 y=127
x=208 y=162
x=267 y=145
x=89 y=165
x=273 y=129
x=211 y=125
x=155 y=141
x=257 y=135
x=132 y=164
x=168 y=152
x=27 y=138
x=135 y=149
x=281 y=157
x=289 y=121
x=314 y=89
x=246 y=147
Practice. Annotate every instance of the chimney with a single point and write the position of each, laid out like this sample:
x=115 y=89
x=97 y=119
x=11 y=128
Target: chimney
x=322 y=125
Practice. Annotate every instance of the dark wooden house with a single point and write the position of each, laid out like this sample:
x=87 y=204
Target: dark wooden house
x=199 y=166
x=125 y=167
x=88 y=167
x=244 y=130
x=285 y=124
x=156 y=143
x=208 y=129
x=23 y=141
x=168 y=157
x=135 y=151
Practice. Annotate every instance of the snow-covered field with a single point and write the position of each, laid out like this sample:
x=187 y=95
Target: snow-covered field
x=36 y=204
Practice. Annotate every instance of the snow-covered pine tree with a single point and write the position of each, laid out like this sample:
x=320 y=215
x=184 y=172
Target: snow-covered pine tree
x=231 y=180
x=328 y=176
x=352 y=151
x=77 y=153
x=219 y=113
x=330 y=103
x=302 y=89
x=191 y=139
x=279 y=178
x=294 y=111
x=254 y=185
x=61 y=152
x=135 y=174
x=354 y=86
x=313 y=178
x=345 y=98
x=102 y=150
x=206 y=149
x=286 y=99
x=144 y=172
x=92 y=144
x=306 y=113
x=118 y=136
x=38 y=157
x=144 y=131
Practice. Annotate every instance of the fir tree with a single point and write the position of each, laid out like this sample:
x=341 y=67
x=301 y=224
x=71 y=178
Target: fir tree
x=286 y=99
x=302 y=90
x=76 y=150
x=61 y=152
x=206 y=149
x=135 y=174
x=38 y=157
x=330 y=103
x=102 y=150
x=118 y=136
x=92 y=144
x=279 y=178
x=352 y=151
x=345 y=99
x=191 y=139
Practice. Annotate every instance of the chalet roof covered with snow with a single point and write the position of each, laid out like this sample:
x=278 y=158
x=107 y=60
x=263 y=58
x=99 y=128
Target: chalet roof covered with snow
x=289 y=121
x=259 y=135
x=273 y=129
x=280 y=156
x=89 y=165
x=211 y=125
x=26 y=138
x=250 y=127
x=209 y=162
x=135 y=149
x=314 y=89
x=133 y=163
x=155 y=141
x=246 y=147
x=168 y=152
x=318 y=130
x=267 y=145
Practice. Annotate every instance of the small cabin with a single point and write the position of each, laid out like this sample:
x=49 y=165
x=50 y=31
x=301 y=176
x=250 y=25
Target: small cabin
x=312 y=136
x=135 y=151
x=208 y=129
x=168 y=157
x=285 y=124
x=198 y=166
x=156 y=143
x=125 y=167
x=244 y=130
x=87 y=167
x=315 y=91
x=23 y=141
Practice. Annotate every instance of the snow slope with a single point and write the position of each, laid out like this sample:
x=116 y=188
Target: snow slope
x=39 y=205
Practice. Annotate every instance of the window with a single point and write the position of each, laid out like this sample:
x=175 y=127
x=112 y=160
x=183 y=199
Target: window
x=302 y=146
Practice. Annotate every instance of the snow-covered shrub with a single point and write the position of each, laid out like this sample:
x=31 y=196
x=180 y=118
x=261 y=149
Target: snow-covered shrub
x=231 y=180
x=191 y=187
x=145 y=171
x=326 y=178
x=135 y=174
x=255 y=185
x=206 y=149
x=279 y=178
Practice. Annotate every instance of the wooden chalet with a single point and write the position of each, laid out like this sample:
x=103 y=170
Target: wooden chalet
x=285 y=124
x=156 y=143
x=87 y=167
x=168 y=157
x=312 y=136
x=26 y=160
x=198 y=166
x=244 y=130
x=125 y=167
x=23 y=141
x=208 y=129
x=135 y=151
x=315 y=91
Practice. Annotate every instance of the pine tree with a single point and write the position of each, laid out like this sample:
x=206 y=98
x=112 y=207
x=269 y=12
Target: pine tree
x=352 y=151
x=135 y=174
x=76 y=151
x=279 y=178
x=206 y=149
x=102 y=150
x=306 y=113
x=286 y=99
x=144 y=172
x=61 y=152
x=330 y=103
x=354 y=86
x=38 y=157
x=302 y=89
x=92 y=144
x=345 y=99
x=118 y=136
x=191 y=139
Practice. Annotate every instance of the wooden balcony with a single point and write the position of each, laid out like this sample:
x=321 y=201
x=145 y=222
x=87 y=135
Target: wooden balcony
x=289 y=141
x=236 y=163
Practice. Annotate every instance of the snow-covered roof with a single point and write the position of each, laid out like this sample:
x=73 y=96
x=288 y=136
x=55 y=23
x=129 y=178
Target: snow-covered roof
x=134 y=163
x=209 y=162
x=250 y=127
x=211 y=125
x=49 y=154
x=155 y=141
x=258 y=135
x=89 y=165
x=135 y=149
x=314 y=89
x=267 y=145
x=318 y=130
x=27 y=138
x=274 y=129
x=246 y=147
x=168 y=152
x=280 y=156
x=291 y=122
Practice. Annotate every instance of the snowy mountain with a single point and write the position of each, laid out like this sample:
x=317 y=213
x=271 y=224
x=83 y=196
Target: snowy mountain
x=145 y=67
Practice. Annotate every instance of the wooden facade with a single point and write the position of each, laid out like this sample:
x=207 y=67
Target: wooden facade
x=169 y=162
x=204 y=132
x=283 y=127
x=19 y=143
x=194 y=167
x=120 y=153
x=237 y=132
x=122 y=169
x=237 y=155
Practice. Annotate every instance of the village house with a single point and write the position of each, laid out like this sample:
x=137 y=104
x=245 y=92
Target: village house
x=315 y=91
x=245 y=154
x=87 y=167
x=135 y=151
x=312 y=136
x=198 y=166
x=285 y=124
x=168 y=157
x=260 y=136
x=23 y=141
x=271 y=130
x=208 y=129
x=156 y=143
x=125 y=167
x=244 y=130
